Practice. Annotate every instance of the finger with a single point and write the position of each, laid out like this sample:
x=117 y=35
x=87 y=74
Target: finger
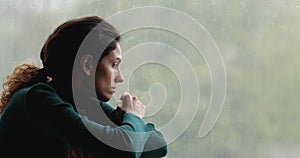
x=138 y=102
x=126 y=99
x=120 y=103
x=124 y=94
x=141 y=104
x=135 y=98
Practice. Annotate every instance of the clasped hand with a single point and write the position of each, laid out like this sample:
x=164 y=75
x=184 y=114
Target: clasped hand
x=131 y=104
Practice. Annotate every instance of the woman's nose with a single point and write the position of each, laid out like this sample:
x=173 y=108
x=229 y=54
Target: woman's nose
x=119 y=77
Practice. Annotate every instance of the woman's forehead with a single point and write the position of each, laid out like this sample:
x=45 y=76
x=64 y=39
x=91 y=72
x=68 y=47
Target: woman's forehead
x=115 y=54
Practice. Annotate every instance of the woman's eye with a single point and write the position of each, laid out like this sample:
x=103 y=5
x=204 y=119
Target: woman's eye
x=114 y=65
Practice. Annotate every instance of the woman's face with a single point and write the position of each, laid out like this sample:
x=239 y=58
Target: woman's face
x=108 y=74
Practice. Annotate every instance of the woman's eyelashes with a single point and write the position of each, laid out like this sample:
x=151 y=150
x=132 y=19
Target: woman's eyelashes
x=115 y=65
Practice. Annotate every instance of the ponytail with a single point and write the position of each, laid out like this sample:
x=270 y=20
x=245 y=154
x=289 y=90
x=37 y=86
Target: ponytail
x=22 y=76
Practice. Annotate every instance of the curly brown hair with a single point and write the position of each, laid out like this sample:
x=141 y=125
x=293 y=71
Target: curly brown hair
x=21 y=76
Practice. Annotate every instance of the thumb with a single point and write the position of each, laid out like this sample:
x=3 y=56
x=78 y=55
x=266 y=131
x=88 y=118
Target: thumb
x=126 y=98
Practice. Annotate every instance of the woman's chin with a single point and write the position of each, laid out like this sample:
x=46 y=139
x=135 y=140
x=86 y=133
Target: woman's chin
x=105 y=98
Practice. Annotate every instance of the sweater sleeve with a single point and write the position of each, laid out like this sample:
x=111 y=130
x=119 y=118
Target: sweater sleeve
x=58 y=119
x=114 y=114
x=156 y=145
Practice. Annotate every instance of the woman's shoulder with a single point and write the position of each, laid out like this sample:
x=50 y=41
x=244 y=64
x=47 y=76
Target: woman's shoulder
x=42 y=96
x=33 y=89
x=37 y=93
x=40 y=91
x=40 y=87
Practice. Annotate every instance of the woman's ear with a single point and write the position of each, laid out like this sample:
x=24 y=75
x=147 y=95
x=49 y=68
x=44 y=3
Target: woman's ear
x=86 y=64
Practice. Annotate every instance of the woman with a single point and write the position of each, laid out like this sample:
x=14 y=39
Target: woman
x=41 y=118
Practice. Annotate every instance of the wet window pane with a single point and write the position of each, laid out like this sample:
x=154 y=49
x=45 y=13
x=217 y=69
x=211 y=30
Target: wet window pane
x=219 y=78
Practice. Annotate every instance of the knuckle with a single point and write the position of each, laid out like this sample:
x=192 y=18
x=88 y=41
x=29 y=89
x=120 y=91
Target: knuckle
x=126 y=95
